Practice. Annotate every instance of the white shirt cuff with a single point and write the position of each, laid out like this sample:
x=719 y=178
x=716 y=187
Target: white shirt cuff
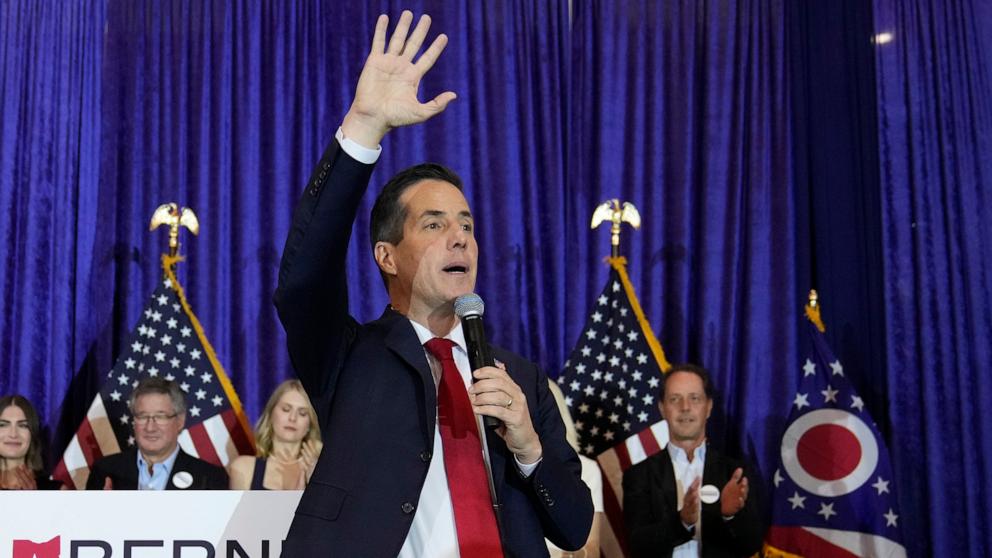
x=357 y=151
x=528 y=469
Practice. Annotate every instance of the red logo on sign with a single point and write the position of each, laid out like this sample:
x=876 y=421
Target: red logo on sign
x=31 y=549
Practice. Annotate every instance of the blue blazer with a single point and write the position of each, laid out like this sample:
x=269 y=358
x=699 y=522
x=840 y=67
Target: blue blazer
x=376 y=401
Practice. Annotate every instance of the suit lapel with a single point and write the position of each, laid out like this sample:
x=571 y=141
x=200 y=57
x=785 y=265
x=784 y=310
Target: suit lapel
x=666 y=476
x=712 y=467
x=129 y=470
x=183 y=464
x=402 y=340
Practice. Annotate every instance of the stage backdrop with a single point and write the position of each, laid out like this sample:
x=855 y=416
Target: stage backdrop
x=771 y=147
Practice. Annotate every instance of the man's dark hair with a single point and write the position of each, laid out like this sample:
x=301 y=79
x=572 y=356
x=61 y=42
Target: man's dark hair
x=692 y=369
x=389 y=214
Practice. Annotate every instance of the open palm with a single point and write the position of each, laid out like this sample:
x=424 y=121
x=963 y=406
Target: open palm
x=386 y=96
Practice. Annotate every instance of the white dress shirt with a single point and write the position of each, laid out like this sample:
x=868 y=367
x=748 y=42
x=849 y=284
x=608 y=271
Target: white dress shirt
x=686 y=472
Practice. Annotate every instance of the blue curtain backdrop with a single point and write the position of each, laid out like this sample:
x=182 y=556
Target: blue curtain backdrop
x=770 y=146
x=935 y=139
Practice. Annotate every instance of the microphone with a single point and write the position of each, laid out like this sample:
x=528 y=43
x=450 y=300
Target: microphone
x=469 y=308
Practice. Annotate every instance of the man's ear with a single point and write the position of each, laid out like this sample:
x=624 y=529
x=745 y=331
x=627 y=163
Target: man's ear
x=384 y=253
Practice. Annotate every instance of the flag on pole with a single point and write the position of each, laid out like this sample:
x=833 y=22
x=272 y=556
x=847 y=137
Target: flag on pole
x=611 y=383
x=168 y=342
x=833 y=496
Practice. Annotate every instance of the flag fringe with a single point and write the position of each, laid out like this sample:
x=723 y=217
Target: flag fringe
x=769 y=551
x=619 y=264
x=813 y=315
x=168 y=262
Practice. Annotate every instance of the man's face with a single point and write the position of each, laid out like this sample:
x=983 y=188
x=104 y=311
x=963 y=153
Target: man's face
x=685 y=407
x=435 y=262
x=156 y=425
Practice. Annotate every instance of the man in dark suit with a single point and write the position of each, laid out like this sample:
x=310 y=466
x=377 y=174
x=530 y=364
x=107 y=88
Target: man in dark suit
x=158 y=412
x=671 y=501
x=394 y=477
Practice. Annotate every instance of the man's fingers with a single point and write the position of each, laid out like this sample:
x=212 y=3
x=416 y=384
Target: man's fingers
x=694 y=487
x=429 y=57
x=738 y=473
x=108 y=484
x=379 y=37
x=439 y=103
x=398 y=39
x=417 y=37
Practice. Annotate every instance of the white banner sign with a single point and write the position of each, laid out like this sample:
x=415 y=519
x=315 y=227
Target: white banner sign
x=167 y=524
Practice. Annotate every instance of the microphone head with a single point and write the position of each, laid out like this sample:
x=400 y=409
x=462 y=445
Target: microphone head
x=469 y=305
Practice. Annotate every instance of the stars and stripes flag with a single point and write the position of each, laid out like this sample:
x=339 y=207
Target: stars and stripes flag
x=834 y=493
x=169 y=343
x=611 y=383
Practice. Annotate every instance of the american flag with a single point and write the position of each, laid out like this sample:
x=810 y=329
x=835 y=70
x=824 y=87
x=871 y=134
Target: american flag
x=168 y=342
x=834 y=494
x=611 y=383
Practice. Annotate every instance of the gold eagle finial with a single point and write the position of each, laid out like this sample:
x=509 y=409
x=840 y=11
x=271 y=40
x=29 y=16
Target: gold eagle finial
x=174 y=216
x=616 y=213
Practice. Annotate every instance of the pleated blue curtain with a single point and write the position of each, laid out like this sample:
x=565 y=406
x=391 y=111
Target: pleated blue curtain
x=225 y=108
x=683 y=108
x=935 y=135
x=51 y=57
x=688 y=109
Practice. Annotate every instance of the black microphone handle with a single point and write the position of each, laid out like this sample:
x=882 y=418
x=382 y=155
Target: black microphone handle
x=479 y=354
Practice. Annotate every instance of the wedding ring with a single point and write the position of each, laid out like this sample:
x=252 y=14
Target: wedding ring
x=509 y=402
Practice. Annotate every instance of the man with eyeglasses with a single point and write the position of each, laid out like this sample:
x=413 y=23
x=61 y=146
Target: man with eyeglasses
x=158 y=411
x=689 y=500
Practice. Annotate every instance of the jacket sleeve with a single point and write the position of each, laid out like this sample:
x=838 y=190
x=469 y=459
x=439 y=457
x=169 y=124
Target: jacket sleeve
x=312 y=295
x=565 y=502
x=98 y=476
x=653 y=524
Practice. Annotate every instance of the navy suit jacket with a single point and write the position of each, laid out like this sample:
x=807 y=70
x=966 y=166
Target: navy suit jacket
x=376 y=400
x=122 y=468
x=652 y=519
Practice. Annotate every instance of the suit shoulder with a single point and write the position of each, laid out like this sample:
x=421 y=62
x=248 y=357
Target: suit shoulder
x=513 y=361
x=658 y=460
x=115 y=460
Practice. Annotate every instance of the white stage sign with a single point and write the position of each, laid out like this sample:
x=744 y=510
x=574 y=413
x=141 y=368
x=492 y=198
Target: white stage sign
x=167 y=524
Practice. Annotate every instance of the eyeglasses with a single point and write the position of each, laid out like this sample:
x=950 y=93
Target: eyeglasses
x=143 y=420
x=694 y=399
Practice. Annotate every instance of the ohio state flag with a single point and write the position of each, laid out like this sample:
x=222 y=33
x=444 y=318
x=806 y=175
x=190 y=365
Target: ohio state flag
x=834 y=493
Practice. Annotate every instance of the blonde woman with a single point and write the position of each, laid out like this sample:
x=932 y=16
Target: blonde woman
x=287 y=438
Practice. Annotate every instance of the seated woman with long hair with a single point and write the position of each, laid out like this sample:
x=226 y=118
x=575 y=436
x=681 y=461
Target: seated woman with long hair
x=287 y=440
x=20 y=447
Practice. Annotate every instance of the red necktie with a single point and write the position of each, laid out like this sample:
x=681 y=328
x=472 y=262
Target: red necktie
x=475 y=520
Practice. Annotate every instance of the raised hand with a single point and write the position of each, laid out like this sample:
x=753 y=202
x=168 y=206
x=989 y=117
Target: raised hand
x=734 y=494
x=309 y=453
x=690 y=503
x=386 y=95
